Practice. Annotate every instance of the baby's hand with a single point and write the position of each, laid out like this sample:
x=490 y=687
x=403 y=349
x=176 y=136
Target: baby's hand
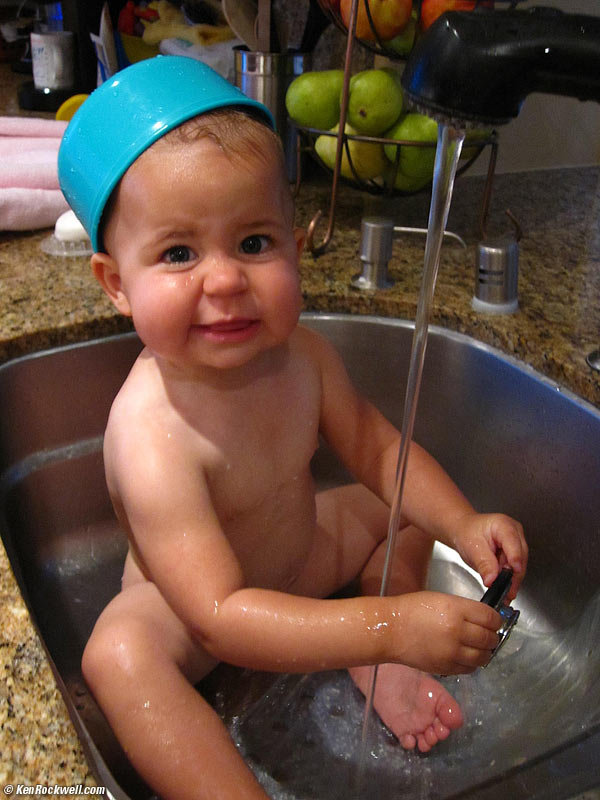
x=488 y=542
x=445 y=634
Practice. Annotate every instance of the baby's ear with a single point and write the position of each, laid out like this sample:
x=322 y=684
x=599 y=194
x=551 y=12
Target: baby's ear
x=107 y=274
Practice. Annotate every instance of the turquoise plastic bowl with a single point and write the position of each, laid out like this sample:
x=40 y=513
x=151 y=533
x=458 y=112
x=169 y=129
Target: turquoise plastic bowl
x=124 y=116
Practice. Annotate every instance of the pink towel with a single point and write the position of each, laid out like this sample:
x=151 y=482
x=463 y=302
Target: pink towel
x=30 y=196
x=32 y=126
x=35 y=174
x=28 y=209
x=11 y=145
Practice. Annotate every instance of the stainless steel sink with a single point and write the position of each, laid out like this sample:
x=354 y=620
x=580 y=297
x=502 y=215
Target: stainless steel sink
x=512 y=440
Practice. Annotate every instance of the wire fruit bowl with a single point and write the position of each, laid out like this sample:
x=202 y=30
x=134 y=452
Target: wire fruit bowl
x=390 y=181
x=393 y=32
x=374 y=38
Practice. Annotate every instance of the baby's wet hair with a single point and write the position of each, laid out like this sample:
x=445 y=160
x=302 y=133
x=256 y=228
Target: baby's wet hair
x=239 y=133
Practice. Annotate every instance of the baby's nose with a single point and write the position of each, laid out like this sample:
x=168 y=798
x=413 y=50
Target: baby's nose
x=224 y=277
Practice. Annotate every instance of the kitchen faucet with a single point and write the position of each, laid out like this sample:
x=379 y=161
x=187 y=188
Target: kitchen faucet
x=478 y=67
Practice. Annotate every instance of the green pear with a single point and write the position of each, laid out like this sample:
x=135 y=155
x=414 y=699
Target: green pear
x=473 y=141
x=375 y=100
x=403 y=183
x=313 y=98
x=368 y=160
x=403 y=43
x=414 y=161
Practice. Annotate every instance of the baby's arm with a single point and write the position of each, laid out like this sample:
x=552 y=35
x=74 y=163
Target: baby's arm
x=175 y=530
x=368 y=445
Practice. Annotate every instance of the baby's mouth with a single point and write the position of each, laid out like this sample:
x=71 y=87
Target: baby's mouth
x=226 y=326
x=230 y=330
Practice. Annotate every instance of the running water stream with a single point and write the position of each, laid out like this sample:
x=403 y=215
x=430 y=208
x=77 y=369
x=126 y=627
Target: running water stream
x=449 y=146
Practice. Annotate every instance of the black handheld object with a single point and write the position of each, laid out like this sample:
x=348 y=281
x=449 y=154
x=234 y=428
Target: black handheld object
x=498 y=590
x=494 y=597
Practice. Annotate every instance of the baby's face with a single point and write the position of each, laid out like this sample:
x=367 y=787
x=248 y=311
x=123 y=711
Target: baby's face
x=207 y=255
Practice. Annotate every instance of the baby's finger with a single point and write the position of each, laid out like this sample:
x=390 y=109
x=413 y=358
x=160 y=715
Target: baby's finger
x=470 y=658
x=510 y=539
x=480 y=638
x=482 y=616
x=517 y=560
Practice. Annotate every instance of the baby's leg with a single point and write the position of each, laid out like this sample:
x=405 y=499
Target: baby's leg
x=141 y=664
x=351 y=523
x=353 y=526
x=411 y=703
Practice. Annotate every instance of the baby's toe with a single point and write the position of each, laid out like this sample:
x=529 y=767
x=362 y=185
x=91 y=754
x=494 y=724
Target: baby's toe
x=449 y=713
x=431 y=736
x=442 y=731
x=408 y=741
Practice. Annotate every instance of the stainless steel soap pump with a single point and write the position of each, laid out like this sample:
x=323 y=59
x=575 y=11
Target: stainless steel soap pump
x=497 y=272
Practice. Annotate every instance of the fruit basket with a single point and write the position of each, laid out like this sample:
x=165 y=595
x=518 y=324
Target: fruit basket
x=343 y=150
x=390 y=182
x=380 y=165
x=388 y=28
x=391 y=27
x=385 y=145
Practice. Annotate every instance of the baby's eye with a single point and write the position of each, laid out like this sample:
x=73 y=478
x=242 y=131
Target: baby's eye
x=178 y=254
x=255 y=244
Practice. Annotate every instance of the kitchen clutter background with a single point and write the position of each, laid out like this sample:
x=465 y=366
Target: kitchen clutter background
x=64 y=49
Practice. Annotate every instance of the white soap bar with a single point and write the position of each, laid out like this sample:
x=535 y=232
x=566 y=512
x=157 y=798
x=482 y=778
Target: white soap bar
x=69 y=229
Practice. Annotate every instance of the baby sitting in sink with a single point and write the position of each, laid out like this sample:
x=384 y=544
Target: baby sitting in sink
x=207 y=455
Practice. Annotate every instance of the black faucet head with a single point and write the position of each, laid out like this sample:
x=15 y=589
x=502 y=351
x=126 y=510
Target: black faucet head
x=477 y=67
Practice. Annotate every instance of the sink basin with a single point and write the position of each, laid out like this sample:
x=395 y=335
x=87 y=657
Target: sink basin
x=512 y=440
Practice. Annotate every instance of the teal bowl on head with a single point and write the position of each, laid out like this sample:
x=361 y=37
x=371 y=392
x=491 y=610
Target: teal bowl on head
x=128 y=113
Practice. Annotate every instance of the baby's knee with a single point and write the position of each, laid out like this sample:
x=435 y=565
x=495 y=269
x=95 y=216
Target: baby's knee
x=115 y=649
x=94 y=661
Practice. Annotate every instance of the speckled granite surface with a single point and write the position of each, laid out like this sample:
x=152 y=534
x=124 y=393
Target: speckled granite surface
x=46 y=301
x=558 y=322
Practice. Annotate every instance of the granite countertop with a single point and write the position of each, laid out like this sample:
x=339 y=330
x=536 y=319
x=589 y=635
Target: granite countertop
x=47 y=301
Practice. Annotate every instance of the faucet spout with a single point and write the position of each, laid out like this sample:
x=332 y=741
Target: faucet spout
x=479 y=66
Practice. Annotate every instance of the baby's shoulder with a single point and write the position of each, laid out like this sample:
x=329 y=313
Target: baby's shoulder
x=138 y=395
x=320 y=350
x=312 y=344
x=138 y=419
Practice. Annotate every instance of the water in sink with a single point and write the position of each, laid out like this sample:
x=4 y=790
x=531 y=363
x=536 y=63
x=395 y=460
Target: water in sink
x=302 y=734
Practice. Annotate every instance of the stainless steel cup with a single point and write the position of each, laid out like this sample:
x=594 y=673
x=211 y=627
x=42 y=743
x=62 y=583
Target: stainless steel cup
x=265 y=77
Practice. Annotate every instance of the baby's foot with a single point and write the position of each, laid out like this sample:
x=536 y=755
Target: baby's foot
x=414 y=706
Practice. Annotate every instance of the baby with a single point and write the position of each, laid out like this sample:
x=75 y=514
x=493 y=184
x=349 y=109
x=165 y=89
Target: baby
x=207 y=455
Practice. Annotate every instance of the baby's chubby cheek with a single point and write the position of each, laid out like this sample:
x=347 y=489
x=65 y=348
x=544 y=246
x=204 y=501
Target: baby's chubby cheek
x=159 y=321
x=291 y=296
